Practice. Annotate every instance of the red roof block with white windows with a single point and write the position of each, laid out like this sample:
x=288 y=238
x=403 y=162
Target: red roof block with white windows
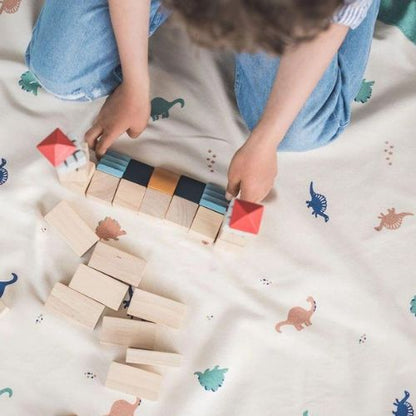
x=246 y=216
x=56 y=147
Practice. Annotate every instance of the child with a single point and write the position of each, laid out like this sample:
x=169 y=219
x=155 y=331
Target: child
x=296 y=102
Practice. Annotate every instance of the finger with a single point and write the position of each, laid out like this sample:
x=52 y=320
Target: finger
x=104 y=143
x=133 y=133
x=252 y=192
x=92 y=135
x=233 y=188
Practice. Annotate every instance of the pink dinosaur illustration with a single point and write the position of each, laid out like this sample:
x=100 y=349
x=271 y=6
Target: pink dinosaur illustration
x=9 y=6
x=391 y=220
x=109 y=228
x=298 y=316
x=123 y=408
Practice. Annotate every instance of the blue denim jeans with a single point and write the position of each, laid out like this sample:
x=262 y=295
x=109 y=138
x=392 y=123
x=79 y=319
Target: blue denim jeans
x=73 y=53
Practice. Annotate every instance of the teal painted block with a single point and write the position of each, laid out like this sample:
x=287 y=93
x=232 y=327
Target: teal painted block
x=215 y=188
x=110 y=170
x=110 y=160
x=118 y=155
x=213 y=205
x=214 y=194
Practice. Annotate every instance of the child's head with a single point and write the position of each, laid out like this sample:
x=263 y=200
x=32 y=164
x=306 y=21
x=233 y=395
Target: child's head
x=252 y=25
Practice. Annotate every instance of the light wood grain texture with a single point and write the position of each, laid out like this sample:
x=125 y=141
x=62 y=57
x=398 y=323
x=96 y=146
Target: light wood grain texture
x=156 y=358
x=68 y=303
x=155 y=203
x=158 y=309
x=98 y=286
x=181 y=211
x=78 y=181
x=134 y=381
x=164 y=181
x=129 y=195
x=72 y=228
x=102 y=187
x=3 y=308
x=117 y=263
x=128 y=332
x=206 y=224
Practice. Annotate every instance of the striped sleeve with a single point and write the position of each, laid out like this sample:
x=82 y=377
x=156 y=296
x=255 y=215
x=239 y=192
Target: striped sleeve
x=352 y=13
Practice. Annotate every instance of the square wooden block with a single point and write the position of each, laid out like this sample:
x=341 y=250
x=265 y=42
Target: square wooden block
x=138 y=172
x=206 y=224
x=129 y=195
x=181 y=211
x=155 y=203
x=164 y=181
x=156 y=358
x=103 y=187
x=78 y=180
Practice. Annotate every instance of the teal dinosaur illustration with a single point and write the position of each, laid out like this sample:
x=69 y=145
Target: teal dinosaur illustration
x=365 y=92
x=29 y=83
x=7 y=390
x=211 y=379
x=305 y=413
x=413 y=305
x=161 y=107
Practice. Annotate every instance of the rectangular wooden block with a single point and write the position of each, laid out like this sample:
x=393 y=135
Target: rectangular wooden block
x=78 y=180
x=117 y=263
x=74 y=306
x=103 y=187
x=206 y=224
x=128 y=332
x=155 y=203
x=98 y=286
x=134 y=381
x=72 y=228
x=169 y=359
x=3 y=309
x=129 y=195
x=181 y=211
x=158 y=309
x=164 y=181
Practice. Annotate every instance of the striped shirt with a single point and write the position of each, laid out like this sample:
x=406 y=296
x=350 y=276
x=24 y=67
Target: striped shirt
x=352 y=13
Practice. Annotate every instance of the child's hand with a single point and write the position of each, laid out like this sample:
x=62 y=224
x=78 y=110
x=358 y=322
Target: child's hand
x=125 y=110
x=253 y=170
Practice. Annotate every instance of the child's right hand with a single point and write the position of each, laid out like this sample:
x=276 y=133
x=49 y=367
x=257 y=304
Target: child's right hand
x=127 y=109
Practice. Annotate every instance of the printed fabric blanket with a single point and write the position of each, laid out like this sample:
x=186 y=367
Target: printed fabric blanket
x=351 y=348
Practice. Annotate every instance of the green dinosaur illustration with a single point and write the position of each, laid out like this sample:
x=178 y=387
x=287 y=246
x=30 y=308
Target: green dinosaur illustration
x=29 y=83
x=305 y=413
x=365 y=92
x=211 y=379
x=413 y=305
x=161 y=107
x=7 y=391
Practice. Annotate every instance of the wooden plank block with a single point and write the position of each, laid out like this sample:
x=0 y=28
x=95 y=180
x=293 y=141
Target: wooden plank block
x=206 y=224
x=72 y=228
x=155 y=203
x=129 y=195
x=3 y=308
x=158 y=309
x=181 y=211
x=98 y=286
x=157 y=358
x=117 y=263
x=164 y=181
x=134 y=381
x=102 y=187
x=128 y=332
x=78 y=180
x=74 y=306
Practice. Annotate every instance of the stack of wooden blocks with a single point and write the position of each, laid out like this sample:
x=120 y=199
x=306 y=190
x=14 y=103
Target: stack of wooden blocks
x=105 y=283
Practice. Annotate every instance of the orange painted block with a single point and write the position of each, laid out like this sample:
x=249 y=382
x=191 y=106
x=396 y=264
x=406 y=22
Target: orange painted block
x=164 y=181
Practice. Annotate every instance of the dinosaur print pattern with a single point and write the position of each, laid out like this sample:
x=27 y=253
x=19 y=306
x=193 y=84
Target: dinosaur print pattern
x=9 y=6
x=211 y=380
x=298 y=316
x=29 y=83
x=391 y=220
x=7 y=391
x=123 y=408
x=365 y=92
x=413 y=305
x=4 y=175
x=3 y=285
x=318 y=203
x=160 y=107
x=126 y=302
x=404 y=408
x=109 y=228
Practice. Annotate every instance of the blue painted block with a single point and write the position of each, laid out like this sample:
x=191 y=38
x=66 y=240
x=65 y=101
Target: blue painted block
x=118 y=155
x=108 y=158
x=110 y=170
x=213 y=198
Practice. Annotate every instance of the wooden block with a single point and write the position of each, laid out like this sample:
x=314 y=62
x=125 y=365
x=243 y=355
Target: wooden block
x=213 y=198
x=114 y=164
x=206 y=224
x=155 y=203
x=74 y=306
x=128 y=332
x=103 y=187
x=190 y=189
x=78 y=180
x=98 y=286
x=154 y=308
x=134 y=381
x=137 y=356
x=138 y=172
x=181 y=211
x=117 y=263
x=72 y=228
x=129 y=195
x=164 y=181
x=3 y=308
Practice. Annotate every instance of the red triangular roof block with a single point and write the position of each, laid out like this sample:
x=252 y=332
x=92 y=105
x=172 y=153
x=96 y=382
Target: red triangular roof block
x=56 y=147
x=246 y=216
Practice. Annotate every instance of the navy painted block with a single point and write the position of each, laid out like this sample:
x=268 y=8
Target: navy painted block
x=190 y=189
x=138 y=172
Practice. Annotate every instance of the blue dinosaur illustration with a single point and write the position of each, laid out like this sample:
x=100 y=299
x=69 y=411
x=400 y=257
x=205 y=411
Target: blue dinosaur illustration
x=29 y=83
x=161 y=107
x=3 y=285
x=404 y=408
x=7 y=390
x=413 y=305
x=318 y=204
x=365 y=92
x=211 y=379
x=126 y=302
x=4 y=175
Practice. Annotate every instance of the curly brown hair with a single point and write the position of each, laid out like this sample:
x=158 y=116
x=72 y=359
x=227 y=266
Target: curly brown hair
x=252 y=25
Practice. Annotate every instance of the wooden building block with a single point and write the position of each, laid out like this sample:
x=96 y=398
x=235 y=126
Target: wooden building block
x=157 y=358
x=154 y=308
x=74 y=306
x=246 y=216
x=129 y=195
x=213 y=198
x=72 y=228
x=128 y=332
x=113 y=163
x=181 y=211
x=164 y=181
x=134 y=381
x=206 y=224
x=190 y=189
x=155 y=203
x=78 y=180
x=3 y=308
x=103 y=187
x=117 y=263
x=138 y=172
x=98 y=286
